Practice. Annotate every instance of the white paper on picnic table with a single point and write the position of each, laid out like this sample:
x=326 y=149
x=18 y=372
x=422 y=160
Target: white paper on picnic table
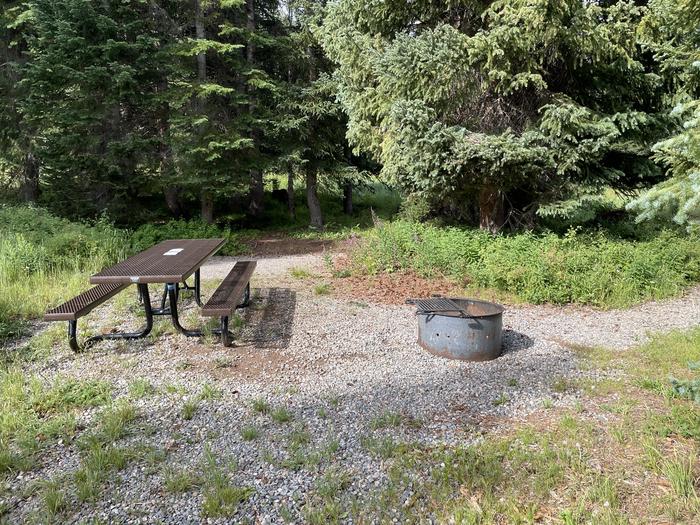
x=174 y=251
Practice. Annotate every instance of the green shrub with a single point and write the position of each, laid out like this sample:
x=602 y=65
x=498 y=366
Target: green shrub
x=589 y=268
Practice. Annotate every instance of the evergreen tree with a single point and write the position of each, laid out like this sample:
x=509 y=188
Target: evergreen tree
x=18 y=159
x=504 y=104
x=670 y=32
x=310 y=128
x=90 y=89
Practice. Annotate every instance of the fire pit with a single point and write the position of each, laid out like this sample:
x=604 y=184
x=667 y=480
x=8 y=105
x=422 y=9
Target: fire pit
x=459 y=328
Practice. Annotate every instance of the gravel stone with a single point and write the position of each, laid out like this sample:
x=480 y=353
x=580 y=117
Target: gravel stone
x=336 y=366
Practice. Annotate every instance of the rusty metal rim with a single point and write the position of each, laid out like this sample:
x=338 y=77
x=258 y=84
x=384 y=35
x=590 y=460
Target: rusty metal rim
x=499 y=309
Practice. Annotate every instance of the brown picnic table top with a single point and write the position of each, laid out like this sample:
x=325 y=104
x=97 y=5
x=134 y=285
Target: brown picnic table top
x=170 y=261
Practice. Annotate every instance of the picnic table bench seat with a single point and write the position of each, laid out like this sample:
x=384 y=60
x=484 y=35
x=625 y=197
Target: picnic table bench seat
x=84 y=303
x=232 y=293
x=81 y=305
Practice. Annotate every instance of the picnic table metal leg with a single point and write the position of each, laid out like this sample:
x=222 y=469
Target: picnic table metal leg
x=73 y=326
x=143 y=292
x=226 y=335
x=164 y=299
x=246 y=297
x=198 y=287
x=73 y=336
x=173 y=294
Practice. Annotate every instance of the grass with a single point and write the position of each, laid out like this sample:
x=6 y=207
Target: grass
x=604 y=464
x=37 y=348
x=210 y=392
x=298 y=437
x=175 y=389
x=386 y=420
x=101 y=455
x=223 y=362
x=323 y=289
x=140 y=388
x=260 y=406
x=54 y=499
x=333 y=481
x=221 y=498
x=249 y=433
x=189 y=408
x=299 y=273
x=583 y=268
x=383 y=447
x=680 y=472
x=501 y=400
x=281 y=415
x=115 y=420
x=568 y=467
x=324 y=506
x=34 y=414
x=45 y=260
x=99 y=461
x=180 y=480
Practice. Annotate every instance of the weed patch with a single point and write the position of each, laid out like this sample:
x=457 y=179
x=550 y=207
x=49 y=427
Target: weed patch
x=34 y=414
x=574 y=268
x=221 y=498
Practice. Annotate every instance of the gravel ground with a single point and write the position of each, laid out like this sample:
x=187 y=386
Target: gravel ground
x=336 y=366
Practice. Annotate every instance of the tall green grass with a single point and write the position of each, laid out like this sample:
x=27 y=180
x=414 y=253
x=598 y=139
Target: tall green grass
x=590 y=268
x=45 y=260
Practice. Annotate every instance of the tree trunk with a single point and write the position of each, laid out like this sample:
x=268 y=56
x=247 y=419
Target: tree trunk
x=207 y=207
x=256 y=194
x=172 y=200
x=291 y=205
x=29 y=187
x=347 y=198
x=171 y=191
x=206 y=198
x=257 y=187
x=199 y=32
x=250 y=26
x=315 y=214
x=490 y=209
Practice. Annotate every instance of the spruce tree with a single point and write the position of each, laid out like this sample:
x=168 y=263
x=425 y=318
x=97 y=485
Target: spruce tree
x=670 y=31
x=310 y=128
x=500 y=105
x=90 y=91
x=18 y=160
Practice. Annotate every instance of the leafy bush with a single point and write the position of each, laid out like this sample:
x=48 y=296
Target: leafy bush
x=580 y=268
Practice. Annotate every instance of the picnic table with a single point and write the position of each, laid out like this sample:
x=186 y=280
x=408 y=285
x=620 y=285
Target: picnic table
x=170 y=263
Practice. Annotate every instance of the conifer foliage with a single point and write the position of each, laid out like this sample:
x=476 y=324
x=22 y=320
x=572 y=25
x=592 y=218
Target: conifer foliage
x=670 y=30
x=499 y=105
x=490 y=112
x=121 y=106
